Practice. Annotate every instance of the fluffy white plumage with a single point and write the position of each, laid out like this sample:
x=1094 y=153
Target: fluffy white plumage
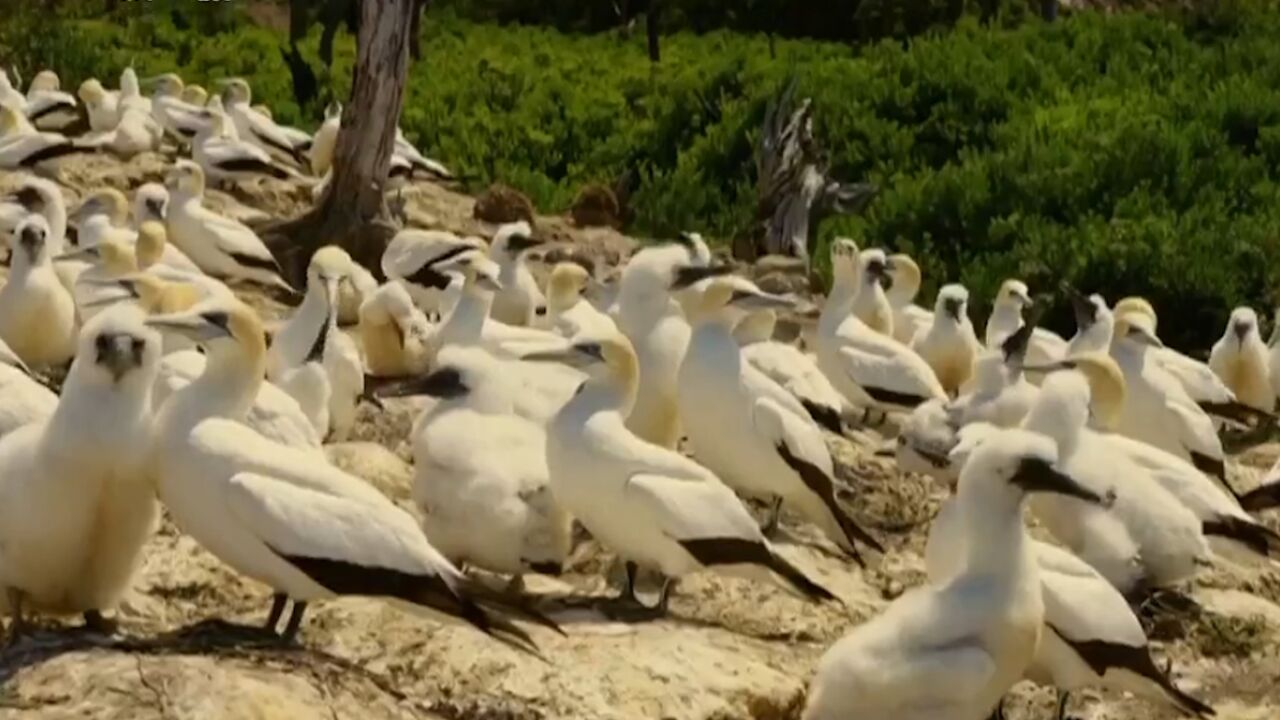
x=23 y=400
x=909 y=319
x=518 y=296
x=950 y=344
x=37 y=313
x=1240 y=359
x=77 y=502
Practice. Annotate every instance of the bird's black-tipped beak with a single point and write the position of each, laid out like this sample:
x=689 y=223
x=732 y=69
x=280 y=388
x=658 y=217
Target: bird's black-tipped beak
x=693 y=274
x=952 y=308
x=520 y=243
x=1241 y=331
x=119 y=354
x=445 y=383
x=1037 y=476
x=155 y=206
x=1084 y=310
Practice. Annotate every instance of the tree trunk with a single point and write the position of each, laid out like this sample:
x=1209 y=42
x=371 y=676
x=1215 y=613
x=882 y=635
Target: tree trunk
x=794 y=190
x=353 y=212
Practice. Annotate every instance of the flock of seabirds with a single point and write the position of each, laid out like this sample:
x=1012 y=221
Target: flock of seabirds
x=568 y=403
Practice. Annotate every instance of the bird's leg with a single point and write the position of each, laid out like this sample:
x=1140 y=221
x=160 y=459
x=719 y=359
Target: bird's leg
x=1063 y=696
x=770 y=526
x=630 y=592
x=18 y=625
x=295 y=621
x=664 y=598
x=277 y=609
x=627 y=607
x=95 y=622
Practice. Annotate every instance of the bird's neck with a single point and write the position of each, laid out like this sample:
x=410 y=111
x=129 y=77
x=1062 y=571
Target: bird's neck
x=904 y=290
x=1005 y=317
x=996 y=542
x=466 y=322
x=840 y=300
x=613 y=391
x=228 y=386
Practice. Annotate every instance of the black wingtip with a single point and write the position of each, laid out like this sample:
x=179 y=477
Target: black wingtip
x=711 y=552
x=820 y=484
x=1238 y=412
x=1261 y=498
x=826 y=416
x=1255 y=536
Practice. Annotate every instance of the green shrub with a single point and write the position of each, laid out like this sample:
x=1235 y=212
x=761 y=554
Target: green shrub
x=1127 y=152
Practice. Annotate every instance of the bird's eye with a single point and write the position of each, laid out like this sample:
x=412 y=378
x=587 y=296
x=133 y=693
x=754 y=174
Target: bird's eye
x=102 y=343
x=138 y=345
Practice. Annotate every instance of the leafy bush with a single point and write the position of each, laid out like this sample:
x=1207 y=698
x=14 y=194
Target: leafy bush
x=1131 y=152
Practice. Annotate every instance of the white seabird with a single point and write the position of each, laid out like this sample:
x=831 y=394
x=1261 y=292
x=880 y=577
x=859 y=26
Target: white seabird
x=254 y=127
x=394 y=333
x=477 y=464
x=1157 y=409
x=569 y=313
x=867 y=367
x=1000 y=394
x=1090 y=638
x=519 y=297
x=870 y=305
x=325 y=140
x=909 y=319
x=658 y=331
x=950 y=344
x=1240 y=359
x=76 y=501
x=1196 y=377
x=1007 y=316
x=311 y=336
x=649 y=504
x=290 y=519
x=101 y=105
x=23 y=400
x=788 y=366
x=219 y=245
x=1095 y=323
x=22 y=146
x=37 y=313
x=1170 y=538
x=181 y=119
x=746 y=428
x=952 y=650
x=224 y=157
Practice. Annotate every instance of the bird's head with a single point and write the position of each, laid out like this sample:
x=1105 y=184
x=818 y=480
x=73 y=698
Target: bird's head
x=953 y=302
x=185 y=177
x=116 y=347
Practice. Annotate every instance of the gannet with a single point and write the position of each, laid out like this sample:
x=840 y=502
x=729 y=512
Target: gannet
x=1000 y=395
x=23 y=146
x=254 y=127
x=569 y=313
x=867 y=367
x=746 y=428
x=1157 y=410
x=104 y=215
x=950 y=344
x=195 y=94
x=1240 y=359
x=515 y=303
x=869 y=302
x=477 y=464
x=651 y=505
x=1095 y=324
x=76 y=501
x=1195 y=376
x=1169 y=537
x=325 y=140
x=23 y=400
x=9 y=95
x=225 y=157
x=1011 y=303
x=47 y=106
x=909 y=319
x=179 y=118
x=287 y=518
x=394 y=333
x=311 y=336
x=131 y=92
x=952 y=650
x=416 y=161
x=300 y=139
x=658 y=331
x=219 y=245
x=788 y=366
x=1090 y=638
x=37 y=313
x=926 y=438
x=103 y=107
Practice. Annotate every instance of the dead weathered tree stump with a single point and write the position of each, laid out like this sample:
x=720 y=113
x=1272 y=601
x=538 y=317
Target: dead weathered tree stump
x=353 y=212
x=795 y=191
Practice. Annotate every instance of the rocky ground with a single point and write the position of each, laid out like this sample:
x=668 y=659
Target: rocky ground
x=731 y=649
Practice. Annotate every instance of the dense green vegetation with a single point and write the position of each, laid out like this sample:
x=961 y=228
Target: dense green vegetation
x=1134 y=152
